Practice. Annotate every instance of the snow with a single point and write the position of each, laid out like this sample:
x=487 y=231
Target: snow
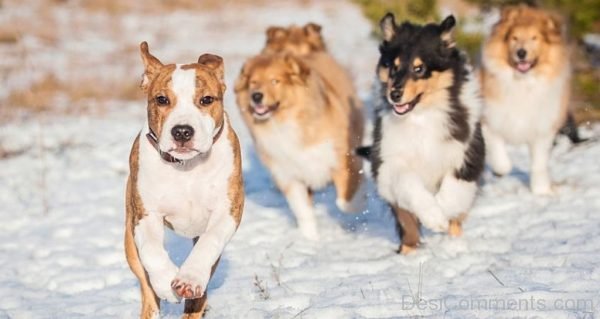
x=62 y=211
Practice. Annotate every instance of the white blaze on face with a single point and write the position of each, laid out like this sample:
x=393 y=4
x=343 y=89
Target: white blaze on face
x=185 y=112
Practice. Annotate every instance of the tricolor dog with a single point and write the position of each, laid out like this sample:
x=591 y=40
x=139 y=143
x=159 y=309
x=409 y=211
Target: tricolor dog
x=185 y=174
x=428 y=150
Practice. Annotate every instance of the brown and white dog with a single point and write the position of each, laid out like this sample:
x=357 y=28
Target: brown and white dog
x=304 y=132
x=185 y=174
x=525 y=81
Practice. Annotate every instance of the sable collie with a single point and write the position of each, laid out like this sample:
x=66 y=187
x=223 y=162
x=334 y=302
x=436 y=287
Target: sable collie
x=303 y=132
x=428 y=151
x=525 y=80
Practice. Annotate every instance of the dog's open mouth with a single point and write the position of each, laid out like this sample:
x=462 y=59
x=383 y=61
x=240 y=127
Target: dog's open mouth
x=262 y=111
x=404 y=108
x=524 y=66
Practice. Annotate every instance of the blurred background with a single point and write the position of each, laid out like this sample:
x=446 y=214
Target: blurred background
x=78 y=55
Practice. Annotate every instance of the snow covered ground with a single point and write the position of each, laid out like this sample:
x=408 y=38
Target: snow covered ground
x=61 y=211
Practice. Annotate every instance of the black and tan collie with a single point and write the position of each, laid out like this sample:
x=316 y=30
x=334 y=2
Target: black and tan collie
x=428 y=149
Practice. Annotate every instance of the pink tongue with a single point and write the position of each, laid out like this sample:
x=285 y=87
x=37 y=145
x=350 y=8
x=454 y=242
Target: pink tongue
x=260 y=109
x=523 y=66
x=401 y=108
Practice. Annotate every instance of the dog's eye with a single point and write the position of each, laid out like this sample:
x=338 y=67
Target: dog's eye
x=162 y=100
x=385 y=63
x=514 y=38
x=419 y=69
x=534 y=38
x=274 y=81
x=207 y=100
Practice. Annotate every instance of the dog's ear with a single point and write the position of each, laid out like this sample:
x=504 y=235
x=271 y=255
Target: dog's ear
x=313 y=34
x=554 y=27
x=275 y=33
x=509 y=13
x=241 y=83
x=447 y=29
x=298 y=71
x=151 y=66
x=214 y=63
x=388 y=26
x=312 y=28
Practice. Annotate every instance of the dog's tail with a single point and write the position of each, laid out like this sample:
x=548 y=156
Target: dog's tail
x=364 y=151
x=569 y=129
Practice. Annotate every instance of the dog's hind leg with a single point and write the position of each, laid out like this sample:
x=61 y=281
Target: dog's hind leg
x=150 y=302
x=408 y=228
x=349 y=185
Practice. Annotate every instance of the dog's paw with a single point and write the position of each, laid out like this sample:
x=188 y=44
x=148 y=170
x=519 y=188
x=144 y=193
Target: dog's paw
x=434 y=219
x=543 y=190
x=309 y=231
x=161 y=284
x=190 y=285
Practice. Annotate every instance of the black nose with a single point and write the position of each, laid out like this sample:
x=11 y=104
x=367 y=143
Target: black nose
x=521 y=53
x=396 y=95
x=257 y=97
x=182 y=133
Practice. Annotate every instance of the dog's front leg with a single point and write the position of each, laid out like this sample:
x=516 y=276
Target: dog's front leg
x=193 y=277
x=411 y=194
x=149 y=239
x=300 y=201
x=456 y=196
x=540 y=182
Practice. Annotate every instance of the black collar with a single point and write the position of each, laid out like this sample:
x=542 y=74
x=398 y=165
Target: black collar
x=153 y=139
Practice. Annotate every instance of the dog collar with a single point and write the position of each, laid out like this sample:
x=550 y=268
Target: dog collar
x=153 y=139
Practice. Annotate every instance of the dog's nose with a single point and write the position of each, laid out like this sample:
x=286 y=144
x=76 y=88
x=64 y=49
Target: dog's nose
x=521 y=53
x=396 y=95
x=257 y=97
x=182 y=133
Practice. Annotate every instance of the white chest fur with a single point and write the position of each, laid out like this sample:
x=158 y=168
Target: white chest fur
x=525 y=107
x=290 y=159
x=186 y=197
x=417 y=144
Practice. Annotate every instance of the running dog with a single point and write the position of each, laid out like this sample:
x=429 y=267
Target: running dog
x=185 y=174
x=428 y=150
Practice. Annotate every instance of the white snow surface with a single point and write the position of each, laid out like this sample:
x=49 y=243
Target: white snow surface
x=62 y=211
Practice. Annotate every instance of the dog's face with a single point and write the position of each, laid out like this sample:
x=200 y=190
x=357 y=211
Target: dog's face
x=185 y=103
x=295 y=40
x=267 y=82
x=527 y=33
x=416 y=63
x=524 y=46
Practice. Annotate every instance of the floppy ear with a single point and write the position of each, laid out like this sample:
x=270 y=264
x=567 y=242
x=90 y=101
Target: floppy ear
x=297 y=69
x=388 y=26
x=275 y=32
x=151 y=66
x=447 y=28
x=215 y=63
x=241 y=83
